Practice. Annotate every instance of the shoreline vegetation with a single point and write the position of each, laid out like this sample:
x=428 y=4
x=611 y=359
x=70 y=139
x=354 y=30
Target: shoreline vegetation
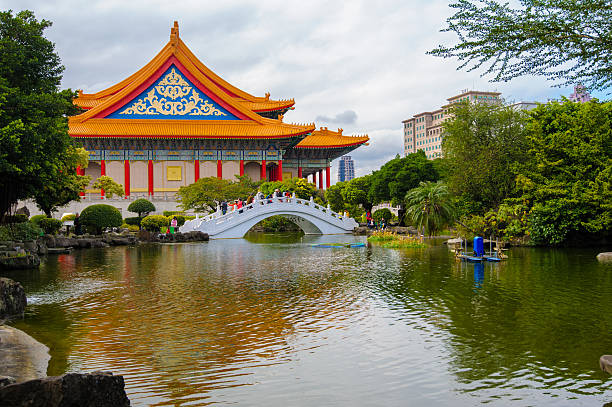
x=392 y=240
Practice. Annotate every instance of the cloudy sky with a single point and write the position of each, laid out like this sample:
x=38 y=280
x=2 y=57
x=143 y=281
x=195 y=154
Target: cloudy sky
x=358 y=65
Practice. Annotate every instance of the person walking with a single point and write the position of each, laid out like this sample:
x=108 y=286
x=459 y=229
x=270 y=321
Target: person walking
x=224 y=207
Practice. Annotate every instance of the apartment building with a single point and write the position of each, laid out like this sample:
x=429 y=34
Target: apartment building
x=346 y=168
x=424 y=130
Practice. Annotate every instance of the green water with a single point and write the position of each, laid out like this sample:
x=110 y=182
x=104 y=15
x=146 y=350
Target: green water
x=272 y=321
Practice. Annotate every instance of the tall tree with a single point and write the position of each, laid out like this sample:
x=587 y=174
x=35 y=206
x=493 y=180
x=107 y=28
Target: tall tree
x=566 y=178
x=34 y=140
x=206 y=193
x=569 y=40
x=398 y=176
x=481 y=144
x=429 y=207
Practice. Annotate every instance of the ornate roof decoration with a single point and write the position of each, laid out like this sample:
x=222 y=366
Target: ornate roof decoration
x=325 y=138
x=176 y=46
x=167 y=96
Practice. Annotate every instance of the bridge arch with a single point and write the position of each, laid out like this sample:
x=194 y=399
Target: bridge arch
x=309 y=216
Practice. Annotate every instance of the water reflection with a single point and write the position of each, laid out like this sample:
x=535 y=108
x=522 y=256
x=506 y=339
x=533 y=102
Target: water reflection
x=260 y=320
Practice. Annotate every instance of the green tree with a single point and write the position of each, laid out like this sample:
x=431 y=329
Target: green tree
x=100 y=216
x=356 y=192
x=481 y=143
x=334 y=196
x=566 y=178
x=62 y=186
x=398 y=176
x=34 y=140
x=110 y=187
x=557 y=39
x=142 y=207
x=429 y=207
x=206 y=193
x=302 y=188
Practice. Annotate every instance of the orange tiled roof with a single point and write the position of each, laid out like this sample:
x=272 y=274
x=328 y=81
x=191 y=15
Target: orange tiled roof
x=325 y=138
x=255 y=103
x=93 y=123
x=154 y=128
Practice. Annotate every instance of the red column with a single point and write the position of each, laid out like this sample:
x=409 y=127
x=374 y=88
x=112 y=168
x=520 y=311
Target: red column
x=102 y=172
x=241 y=168
x=321 y=179
x=280 y=170
x=263 y=175
x=299 y=172
x=219 y=169
x=196 y=167
x=126 y=170
x=327 y=177
x=314 y=179
x=151 y=177
x=80 y=171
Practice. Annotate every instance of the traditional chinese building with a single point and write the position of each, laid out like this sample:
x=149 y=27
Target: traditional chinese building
x=175 y=121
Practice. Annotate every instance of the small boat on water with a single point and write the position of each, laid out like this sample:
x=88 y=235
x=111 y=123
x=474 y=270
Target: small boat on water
x=479 y=255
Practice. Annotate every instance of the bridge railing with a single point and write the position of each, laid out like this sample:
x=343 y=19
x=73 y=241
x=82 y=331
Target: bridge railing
x=217 y=219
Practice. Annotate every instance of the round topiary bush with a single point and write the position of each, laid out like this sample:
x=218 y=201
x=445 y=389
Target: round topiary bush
x=153 y=223
x=141 y=207
x=99 y=217
x=383 y=213
x=68 y=217
x=36 y=219
x=133 y=221
x=50 y=226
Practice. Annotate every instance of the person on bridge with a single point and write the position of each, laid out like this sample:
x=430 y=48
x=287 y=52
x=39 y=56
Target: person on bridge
x=239 y=205
x=224 y=207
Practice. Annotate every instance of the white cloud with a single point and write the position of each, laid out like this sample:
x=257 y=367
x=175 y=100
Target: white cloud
x=332 y=57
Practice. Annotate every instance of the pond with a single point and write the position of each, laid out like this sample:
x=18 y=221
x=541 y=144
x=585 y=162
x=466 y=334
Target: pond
x=271 y=320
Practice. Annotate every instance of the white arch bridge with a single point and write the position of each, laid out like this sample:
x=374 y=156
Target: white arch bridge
x=312 y=218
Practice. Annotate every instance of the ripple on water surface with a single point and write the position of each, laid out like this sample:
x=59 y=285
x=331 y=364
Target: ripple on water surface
x=280 y=322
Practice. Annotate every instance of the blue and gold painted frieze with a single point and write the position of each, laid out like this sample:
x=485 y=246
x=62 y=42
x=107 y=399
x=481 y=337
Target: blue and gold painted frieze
x=252 y=155
x=208 y=155
x=174 y=155
x=172 y=96
x=231 y=155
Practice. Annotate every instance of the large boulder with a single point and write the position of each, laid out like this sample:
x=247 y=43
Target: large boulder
x=605 y=257
x=97 y=389
x=605 y=362
x=19 y=261
x=21 y=356
x=12 y=298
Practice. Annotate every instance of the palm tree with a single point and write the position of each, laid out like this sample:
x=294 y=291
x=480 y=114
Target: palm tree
x=429 y=207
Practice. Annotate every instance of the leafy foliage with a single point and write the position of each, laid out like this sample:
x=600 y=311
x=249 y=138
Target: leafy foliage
x=37 y=157
x=429 y=207
x=566 y=179
x=68 y=217
x=154 y=223
x=36 y=219
x=557 y=39
x=100 y=216
x=17 y=218
x=133 y=221
x=50 y=226
x=382 y=213
x=110 y=187
x=142 y=207
x=277 y=224
x=206 y=193
x=302 y=188
x=482 y=142
x=20 y=231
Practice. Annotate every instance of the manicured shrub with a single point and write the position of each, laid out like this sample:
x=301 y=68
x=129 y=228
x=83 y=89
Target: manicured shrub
x=99 y=217
x=17 y=218
x=189 y=218
x=154 y=223
x=50 y=226
x=383 y=213
x=20 y=231
x=180 y=219
x=142 y=207
x=172 y=213
x=131 y=228
x=36 y=219
x=134 y=221
x=68 y=217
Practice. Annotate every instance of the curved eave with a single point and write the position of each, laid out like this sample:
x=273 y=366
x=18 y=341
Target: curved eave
x=160 y=128
x=357 y=144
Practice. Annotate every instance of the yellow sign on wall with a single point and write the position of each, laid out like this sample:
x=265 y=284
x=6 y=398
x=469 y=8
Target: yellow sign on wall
x=287 y=175
x=175 y=173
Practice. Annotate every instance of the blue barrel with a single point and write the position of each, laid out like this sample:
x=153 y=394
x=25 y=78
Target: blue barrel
x=478 y=246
